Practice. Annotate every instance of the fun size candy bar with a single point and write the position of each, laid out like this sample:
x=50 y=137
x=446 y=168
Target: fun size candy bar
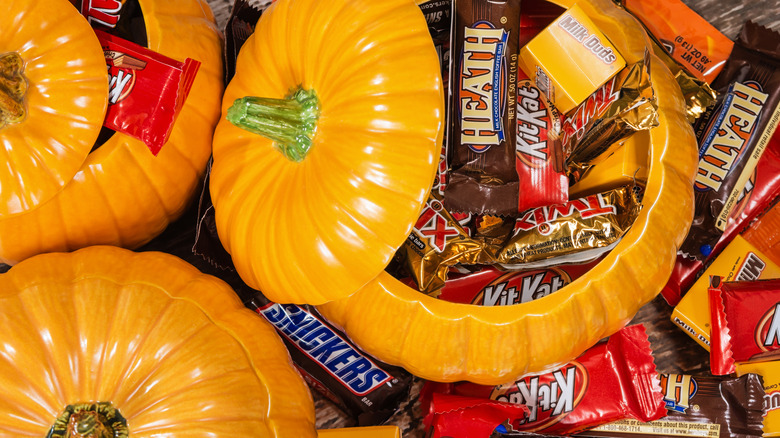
x=579 y=230
x=613 y=380
x=362 y=386
x=733 y=134
x=699 y=406
x=745 y=322
x=146 y=90
x=760 y=192
x=483 y=80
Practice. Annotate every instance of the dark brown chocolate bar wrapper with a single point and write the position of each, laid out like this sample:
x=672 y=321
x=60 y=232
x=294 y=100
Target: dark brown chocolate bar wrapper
x=366 y=389
x=240 y=25
x=733 y=134
x=727 y=407
x=482 y=158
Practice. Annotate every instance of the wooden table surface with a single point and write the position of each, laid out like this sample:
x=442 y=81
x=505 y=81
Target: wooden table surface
x=674 y=351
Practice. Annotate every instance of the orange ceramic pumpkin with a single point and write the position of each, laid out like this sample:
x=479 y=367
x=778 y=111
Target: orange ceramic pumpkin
x=140 y=345
x=444 y=341
x=122 y=194
x=321 y=219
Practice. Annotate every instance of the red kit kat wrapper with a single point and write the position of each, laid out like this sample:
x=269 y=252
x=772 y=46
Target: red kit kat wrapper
x=745 y=319
x=146 y=90
x=613 y=380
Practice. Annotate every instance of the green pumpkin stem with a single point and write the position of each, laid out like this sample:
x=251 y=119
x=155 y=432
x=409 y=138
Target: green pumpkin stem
x=89 y=420
x=290 y=122
x=13 y=87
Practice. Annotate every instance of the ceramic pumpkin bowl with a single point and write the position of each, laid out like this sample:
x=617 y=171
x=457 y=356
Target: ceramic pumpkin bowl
x=105 y=339
x=444 y=341
x=53 y=97
x=352 y=106
x=122 y=194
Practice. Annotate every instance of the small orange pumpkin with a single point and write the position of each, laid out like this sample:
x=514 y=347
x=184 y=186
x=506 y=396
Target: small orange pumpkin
x=53 y=97
x=139 y=343
x=122 y=194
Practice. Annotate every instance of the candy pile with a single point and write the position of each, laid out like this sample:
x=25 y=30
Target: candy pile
x=483 y=240
x=491 y=180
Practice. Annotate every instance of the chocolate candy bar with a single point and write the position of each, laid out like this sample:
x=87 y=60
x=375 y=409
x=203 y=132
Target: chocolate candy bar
x=576 y=231
x=362 y=386
x=482 y=126
x=761 y=191
x=494 y=287
x=770 y=374
x=699 y=406
x=745 y=319
x=612 y=380
x=733 y=134
x=146 y=90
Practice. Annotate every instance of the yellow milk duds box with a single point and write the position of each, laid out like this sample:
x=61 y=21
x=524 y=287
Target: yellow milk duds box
x=739 y=261
x=626 y=165
x=570 y=59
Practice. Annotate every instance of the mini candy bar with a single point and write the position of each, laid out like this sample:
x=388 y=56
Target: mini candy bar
x=687 y=37
x=576 y=231
x=740 y=261
x=761 y=191
x=570 y=59
x=481 y=139
x=699 y=406
x=438 y=240
x=770 y=374
x=733 y=134
x=623 y=105
x=452 y=416
x=146 y=90
x=745 y=319
x=539 y=153
x=332 y=364
x=612 y=380
x=493 y=287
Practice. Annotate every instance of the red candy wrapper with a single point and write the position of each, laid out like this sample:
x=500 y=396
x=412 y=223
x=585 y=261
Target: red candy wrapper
x=146 y=90
x=457 y=416
x=762 y=189
x=493 y=287
x=538 y=151
x=612 y=380
x=745 y=319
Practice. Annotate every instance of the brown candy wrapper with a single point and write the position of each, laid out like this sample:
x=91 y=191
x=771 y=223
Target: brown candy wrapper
x=623 y=105
x=699 y=406
x=240 y=25
x=482 y=127
x=733 y=134
x=576 y=231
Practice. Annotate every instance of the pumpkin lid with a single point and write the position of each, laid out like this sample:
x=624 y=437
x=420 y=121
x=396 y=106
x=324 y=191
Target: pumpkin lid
x=145 y=337
x=53 y=97
x=371 y=95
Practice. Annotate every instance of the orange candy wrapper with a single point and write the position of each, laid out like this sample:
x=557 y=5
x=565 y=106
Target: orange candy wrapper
x=687 y=37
